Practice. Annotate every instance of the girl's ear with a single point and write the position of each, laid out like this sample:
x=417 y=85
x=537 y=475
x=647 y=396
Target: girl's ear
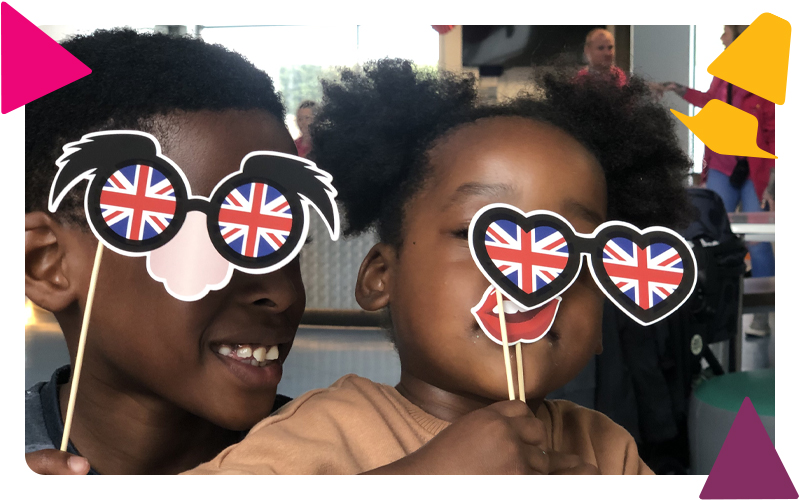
x=374 y=277
x=46 y=276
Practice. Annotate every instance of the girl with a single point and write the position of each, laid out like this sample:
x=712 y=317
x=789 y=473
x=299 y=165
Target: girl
x=414 y=157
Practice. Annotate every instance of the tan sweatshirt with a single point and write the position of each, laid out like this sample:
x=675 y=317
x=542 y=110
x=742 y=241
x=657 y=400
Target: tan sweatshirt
x=356 y=425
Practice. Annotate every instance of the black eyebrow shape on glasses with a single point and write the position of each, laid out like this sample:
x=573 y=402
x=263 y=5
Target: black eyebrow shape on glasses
x=84 y=157
x=108 y=150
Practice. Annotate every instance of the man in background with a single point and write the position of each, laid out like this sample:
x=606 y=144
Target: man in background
x=599 y=53
x=304 y=117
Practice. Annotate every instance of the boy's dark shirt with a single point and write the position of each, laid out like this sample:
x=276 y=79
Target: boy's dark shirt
x=43 y=425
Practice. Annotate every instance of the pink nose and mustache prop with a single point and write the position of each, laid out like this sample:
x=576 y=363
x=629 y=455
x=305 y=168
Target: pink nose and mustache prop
x=188 y=265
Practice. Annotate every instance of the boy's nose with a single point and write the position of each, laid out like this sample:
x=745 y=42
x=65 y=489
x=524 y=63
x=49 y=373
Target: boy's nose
x=189 y=265
x=274 y=292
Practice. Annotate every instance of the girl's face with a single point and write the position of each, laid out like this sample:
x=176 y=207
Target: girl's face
x=727 y=36
x=434 y=281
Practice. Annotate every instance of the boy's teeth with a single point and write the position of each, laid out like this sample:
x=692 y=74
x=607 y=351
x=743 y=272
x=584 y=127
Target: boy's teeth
x=260 y=354
x=250 y=355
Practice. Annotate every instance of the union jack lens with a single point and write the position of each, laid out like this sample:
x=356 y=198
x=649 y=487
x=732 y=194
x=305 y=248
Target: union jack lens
x=139 y=206
x=255 y=221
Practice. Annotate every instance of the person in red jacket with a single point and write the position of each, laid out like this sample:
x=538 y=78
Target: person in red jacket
x=740 y=180
x=304 y=117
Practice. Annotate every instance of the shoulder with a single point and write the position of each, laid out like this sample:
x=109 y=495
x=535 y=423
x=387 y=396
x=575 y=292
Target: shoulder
x=619 y=75
x=571 y=417
x=341 y=429
x=36 y=435
x=347 y=398
x=568 y=412
x=594 y=437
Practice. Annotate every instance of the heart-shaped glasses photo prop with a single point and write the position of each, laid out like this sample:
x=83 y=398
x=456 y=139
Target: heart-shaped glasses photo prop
x=535 y=256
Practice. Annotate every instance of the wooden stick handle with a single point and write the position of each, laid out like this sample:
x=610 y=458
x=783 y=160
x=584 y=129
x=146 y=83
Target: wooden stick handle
x=520 y=375
x=502 y=314
x=76 y=376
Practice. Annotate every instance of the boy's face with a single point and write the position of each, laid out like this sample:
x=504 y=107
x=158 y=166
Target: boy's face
x=142 y=340
x=511 y=160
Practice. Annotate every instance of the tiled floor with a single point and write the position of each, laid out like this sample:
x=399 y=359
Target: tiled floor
x=757 y=352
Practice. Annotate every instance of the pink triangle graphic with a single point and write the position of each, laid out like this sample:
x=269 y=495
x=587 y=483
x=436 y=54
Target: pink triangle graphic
x=748 y=465
x=33 y=64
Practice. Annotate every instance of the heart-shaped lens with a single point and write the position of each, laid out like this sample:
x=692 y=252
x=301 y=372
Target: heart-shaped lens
x=530 y=257
x=647 y=274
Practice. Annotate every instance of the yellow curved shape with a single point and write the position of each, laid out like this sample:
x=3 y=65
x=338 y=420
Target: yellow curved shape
x=758 y=60
x=725 y=129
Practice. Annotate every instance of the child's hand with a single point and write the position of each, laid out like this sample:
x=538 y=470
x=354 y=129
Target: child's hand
x=56 y=462
x=503 y=438
x=564 y=464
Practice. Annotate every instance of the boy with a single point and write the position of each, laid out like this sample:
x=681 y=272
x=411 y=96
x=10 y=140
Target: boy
x=154 y=395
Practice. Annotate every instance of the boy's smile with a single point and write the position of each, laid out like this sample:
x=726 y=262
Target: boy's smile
x=192 y=354
x=433 y=281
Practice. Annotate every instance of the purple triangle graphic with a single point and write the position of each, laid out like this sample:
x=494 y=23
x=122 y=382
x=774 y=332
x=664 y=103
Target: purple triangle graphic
x=33 y=64
x=748 y=465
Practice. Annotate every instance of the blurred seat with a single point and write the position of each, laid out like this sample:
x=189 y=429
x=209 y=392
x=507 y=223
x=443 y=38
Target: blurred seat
x=713 y=408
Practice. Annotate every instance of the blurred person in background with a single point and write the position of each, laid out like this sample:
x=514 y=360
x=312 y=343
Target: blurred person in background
x=599 y=53
x=740 y=181
x=304 y=118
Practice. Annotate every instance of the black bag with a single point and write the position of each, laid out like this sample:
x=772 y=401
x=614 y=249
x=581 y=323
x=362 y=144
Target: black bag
x=740 y=173
x=742 y=169
x=720 y=264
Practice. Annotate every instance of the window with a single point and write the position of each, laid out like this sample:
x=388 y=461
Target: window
x=707 y=46
x=297 y=56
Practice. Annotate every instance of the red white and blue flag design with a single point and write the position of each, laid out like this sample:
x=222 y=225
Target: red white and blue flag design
x=255 y=219
x=530 y=260
x=137 y=202
x=646 y=276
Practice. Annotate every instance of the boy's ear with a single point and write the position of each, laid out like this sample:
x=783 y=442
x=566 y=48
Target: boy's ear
x=374 y=277
x=46 y=280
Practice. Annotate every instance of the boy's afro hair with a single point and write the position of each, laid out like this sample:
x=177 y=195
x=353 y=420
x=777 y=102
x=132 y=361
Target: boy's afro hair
x=376 y=127
x=134 y=78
